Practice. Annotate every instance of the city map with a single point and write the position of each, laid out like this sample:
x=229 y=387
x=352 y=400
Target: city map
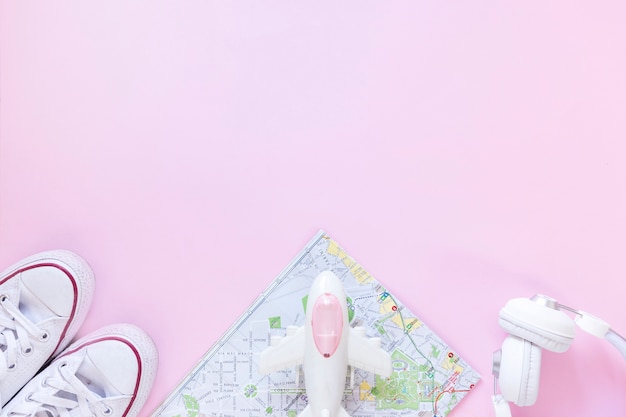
x=428 y=380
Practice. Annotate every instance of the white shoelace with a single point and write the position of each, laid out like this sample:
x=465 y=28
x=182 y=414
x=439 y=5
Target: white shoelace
x=16 y=331
x=59 y=395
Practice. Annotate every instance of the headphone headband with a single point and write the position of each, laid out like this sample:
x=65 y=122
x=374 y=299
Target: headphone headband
x=616 y=340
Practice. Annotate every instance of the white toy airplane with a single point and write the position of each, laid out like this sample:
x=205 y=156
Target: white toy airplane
x=325 y=346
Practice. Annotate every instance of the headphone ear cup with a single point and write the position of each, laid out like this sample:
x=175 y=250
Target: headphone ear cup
x=520 y=368
x=546 y=327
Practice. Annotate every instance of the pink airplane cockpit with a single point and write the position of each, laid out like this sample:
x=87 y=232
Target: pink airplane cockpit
x=327 y=324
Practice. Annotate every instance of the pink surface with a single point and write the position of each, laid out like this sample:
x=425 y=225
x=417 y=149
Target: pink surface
x=463 y=153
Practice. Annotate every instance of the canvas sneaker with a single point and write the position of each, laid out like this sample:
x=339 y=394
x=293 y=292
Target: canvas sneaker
x=107 y=373
x=43 y=301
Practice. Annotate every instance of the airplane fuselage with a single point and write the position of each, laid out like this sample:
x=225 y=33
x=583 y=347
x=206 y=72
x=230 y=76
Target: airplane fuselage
x=326 y=348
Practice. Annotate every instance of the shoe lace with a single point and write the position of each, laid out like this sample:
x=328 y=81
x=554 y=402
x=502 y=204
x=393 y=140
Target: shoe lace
x=62 y=393
x=16 y=330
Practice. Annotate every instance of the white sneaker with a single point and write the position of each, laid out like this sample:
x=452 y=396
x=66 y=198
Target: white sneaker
x=108 y=373
x=43 y=301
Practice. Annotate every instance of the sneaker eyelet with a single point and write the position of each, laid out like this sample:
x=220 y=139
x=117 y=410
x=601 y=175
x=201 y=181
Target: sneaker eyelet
x=29 y=397
x=107 y=411
x=44 y=337
x=62 y=365
x=4 y=298
x=44 y=383
x=27 y=351
x=11 y=366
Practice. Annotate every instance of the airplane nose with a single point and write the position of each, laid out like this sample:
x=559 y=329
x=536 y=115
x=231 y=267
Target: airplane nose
x=327 y=281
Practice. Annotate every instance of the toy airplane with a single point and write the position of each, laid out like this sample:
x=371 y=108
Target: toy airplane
x=325 y=346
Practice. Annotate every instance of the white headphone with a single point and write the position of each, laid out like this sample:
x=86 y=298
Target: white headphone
x=533 y=324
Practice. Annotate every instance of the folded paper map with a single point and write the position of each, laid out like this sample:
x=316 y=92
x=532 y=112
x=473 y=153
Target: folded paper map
x=429 y=378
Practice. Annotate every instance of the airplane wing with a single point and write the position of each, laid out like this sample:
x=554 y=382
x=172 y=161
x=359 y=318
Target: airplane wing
x=288 y=352
x=306 y=412
x=343 y=412
x=365 y=353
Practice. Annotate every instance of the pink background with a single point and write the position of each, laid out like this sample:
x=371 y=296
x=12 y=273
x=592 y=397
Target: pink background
x=464 y=152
